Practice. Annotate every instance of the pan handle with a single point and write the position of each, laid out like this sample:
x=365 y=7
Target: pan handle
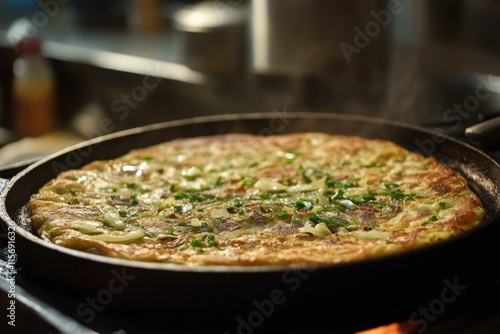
x=486 y=133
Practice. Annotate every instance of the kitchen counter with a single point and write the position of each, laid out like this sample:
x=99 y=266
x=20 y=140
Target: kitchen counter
x=116 y=49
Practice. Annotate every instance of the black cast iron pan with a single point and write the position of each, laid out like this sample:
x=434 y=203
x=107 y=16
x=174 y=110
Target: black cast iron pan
x=246 y=300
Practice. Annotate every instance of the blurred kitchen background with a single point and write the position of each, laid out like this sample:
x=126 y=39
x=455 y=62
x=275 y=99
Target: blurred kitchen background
x=121 y=64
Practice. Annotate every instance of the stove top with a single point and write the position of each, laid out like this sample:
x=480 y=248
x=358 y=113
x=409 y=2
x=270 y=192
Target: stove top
x=39 y=305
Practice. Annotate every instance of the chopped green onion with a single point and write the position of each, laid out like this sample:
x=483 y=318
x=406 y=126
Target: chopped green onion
x=348 y=184
x=196 y=198
x=334 y=207
x=363 y=199
x=444 y=205
x=341 y=184
x=180 y=195
x=329 y=182
x=297 y=219
x=263 y=209
x=135 y=201
x=107 y=223
x=305 y=178
x=211 y=241
x=314 y=219
x=146 y=232
x=398 y=194
x=196 y=243
x=218 y=182
x=183 y=208
x=333 y=222
x=248 y=182
x=238 y=202
x=265 y=195
x=132 y=185
x=281 y=213
x=304 y=205
x=328 y=221
x=338 y=194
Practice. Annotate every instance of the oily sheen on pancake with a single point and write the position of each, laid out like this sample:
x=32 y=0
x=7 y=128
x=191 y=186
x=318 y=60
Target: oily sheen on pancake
x=238 y=199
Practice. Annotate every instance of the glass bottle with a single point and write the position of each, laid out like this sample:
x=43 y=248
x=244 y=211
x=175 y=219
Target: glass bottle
x=33 y=91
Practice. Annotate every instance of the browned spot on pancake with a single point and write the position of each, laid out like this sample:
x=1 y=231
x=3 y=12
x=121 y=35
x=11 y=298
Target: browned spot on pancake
x=226 y=225
x=441 y=188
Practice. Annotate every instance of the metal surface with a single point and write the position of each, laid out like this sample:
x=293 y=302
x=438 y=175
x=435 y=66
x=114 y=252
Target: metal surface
x=487 y=133
x=300 y=37
x=278 y=298
x=33 y=314
x=212 y=41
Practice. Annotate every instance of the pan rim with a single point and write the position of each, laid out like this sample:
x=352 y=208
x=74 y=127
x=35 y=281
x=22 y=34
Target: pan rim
x=246 y=116
x=29 y=237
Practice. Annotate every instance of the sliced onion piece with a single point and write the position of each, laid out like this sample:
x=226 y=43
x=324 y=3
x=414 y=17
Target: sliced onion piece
x=111 y=217
x=120 y=236
x=322 y=199
x=269 y=185
x=219 y=213
x=347 y=203
x=168 y=236
x=195 y=222
x=236 y=233
x=320 y=230
x=289 y=210
x=87 y=227
x=318 y=184
x=125 y=193
x=244 y=215
x=166 y=213
x=168 y=202
x=373 y=234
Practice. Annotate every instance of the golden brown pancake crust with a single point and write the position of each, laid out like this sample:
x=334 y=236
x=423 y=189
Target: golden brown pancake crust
x=237 y=199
